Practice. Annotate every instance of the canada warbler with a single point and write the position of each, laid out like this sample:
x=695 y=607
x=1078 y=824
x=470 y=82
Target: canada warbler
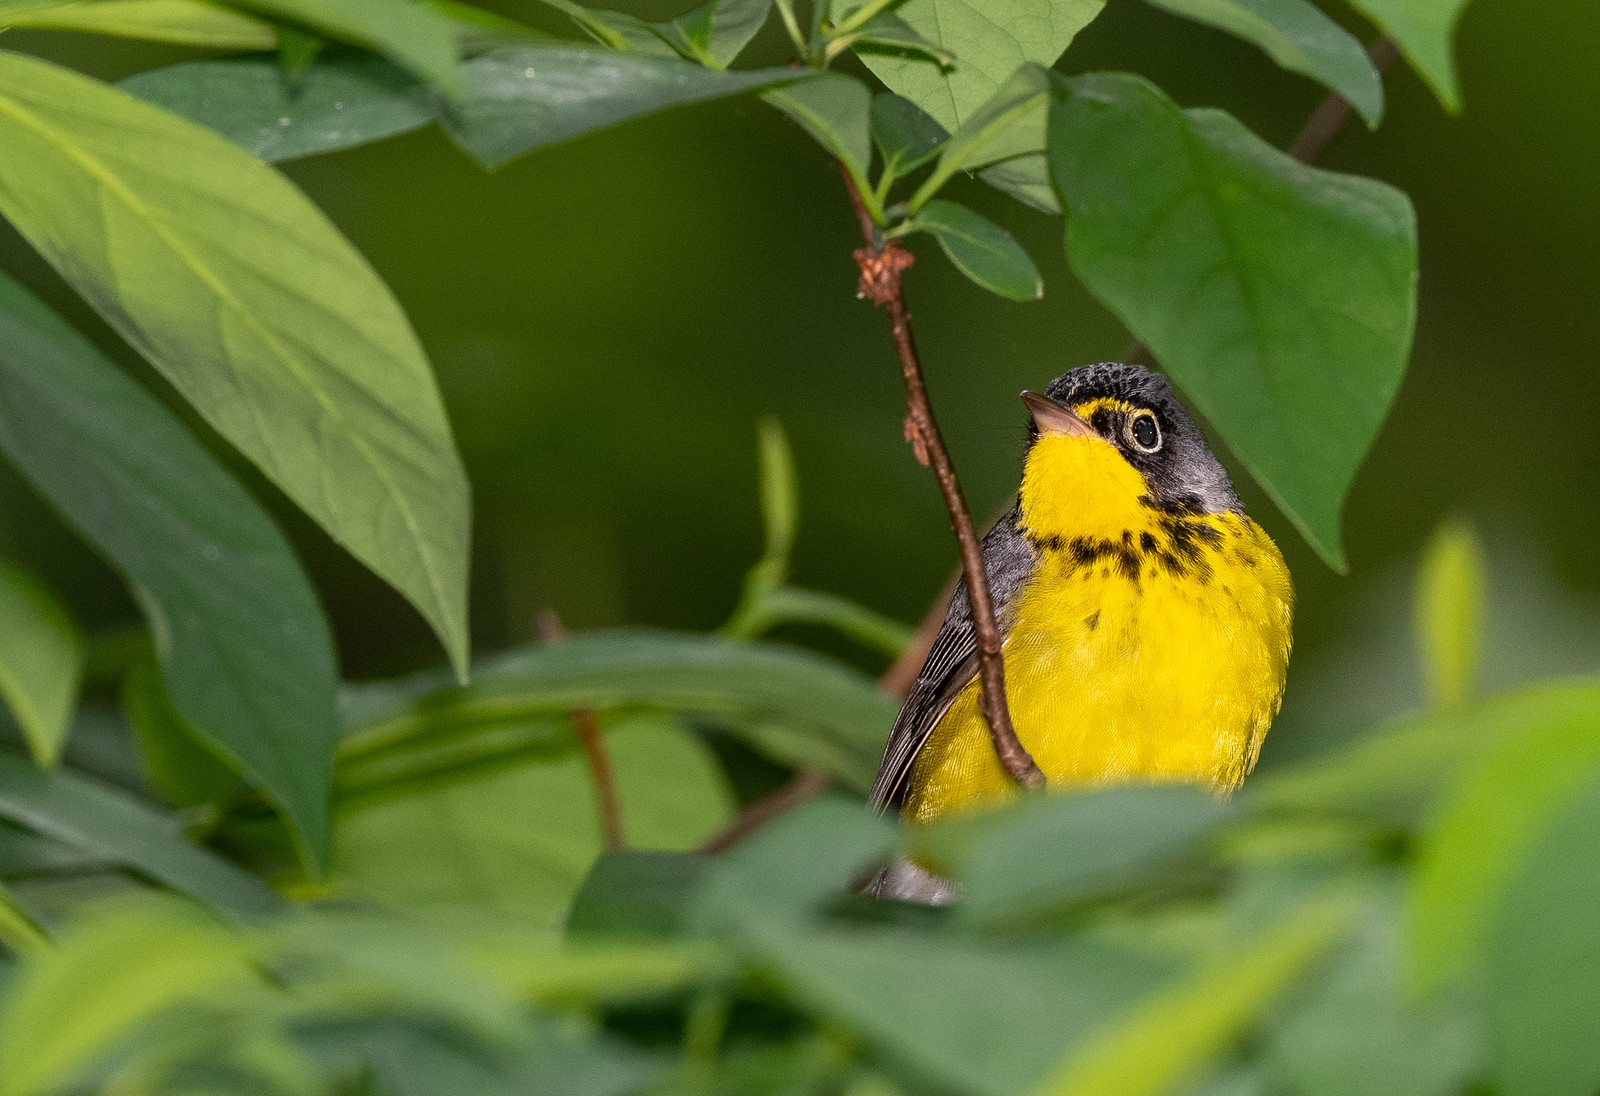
x=1145 y=617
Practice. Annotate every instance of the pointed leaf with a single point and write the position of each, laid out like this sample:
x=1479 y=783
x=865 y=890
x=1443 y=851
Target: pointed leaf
x=1296 y=35
x=517 y=100
x=1425 y=31
x=834 y=109
x=412 y=34
x=906 y=135
x=1280 y=297
x=981 y=250
x=717 y=31
x=1011 y=123
x=250 y=302
x=1027 y=179
x=41 y=660
x=990 y=40
x=887 y=31
x=342 y=101
x=182 y=22
x=242 y=641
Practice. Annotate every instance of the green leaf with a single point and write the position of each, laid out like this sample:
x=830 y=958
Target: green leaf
x=1424 y=31
x=990 y=41
x=1048 y=853
x=807 y=707
x=1010 y=123
x=906 y=135
x=174 y=753
x=1547 y=750
x=412 y=34
x=110 y=824
x=1542 y=991
x=887 y=31
x=639 y=894
x=1027 y=179
x=181 y=22
x=981 y=250
x=250 y=302
x=1172 y=1037
x=41 y=658
x=834 y=109
x=519 y=843
x=342 y=101
x=1449 y=613
x=111 y=973
x=1280 y=297
x=794 y=605
x=517 y=100
x=18 y=929
x=717 y=31
x=242 y=641
x=479 y=31
x=1296 y=35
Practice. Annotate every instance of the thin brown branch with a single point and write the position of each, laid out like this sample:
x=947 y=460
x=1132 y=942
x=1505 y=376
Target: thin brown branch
x=1308 y=145
x=594 y=749
x=881 y=268
x=805 y=786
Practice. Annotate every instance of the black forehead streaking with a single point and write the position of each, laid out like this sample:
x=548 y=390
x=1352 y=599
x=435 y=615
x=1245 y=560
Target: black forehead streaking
x=1131 y=383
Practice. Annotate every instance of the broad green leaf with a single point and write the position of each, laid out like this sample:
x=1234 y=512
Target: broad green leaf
x=887 y=31
x=834 y=109
x=412 y=34
x=906 y=135
x=639 y=894
x=241 y=639
x=182 y=22
x=1359 y=1028
x=981 y=250
x=1296 y=35
x=1027 y=179
x=1175 y=1035
x=973 y=1016
x=1449 y=613
x=717 y=31
x=108 y=823
x=990 y=41
x=518 y=844
x=342 y=101
x=254 y=306
x=517 y=100
x=175 y=755
x=18 y=929
x=805 y=706
x=1542 y=990
x=1425 y=32
x=1547 y=752
x=110 y=974
x=1048 y=853
x=41 y=657
x=1281 y=298
x=1010 y=123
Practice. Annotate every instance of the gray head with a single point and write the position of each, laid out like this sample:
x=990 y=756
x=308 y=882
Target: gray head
x=1135 y=410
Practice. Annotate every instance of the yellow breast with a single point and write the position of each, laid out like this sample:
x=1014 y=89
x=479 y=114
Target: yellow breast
x=1157 y=654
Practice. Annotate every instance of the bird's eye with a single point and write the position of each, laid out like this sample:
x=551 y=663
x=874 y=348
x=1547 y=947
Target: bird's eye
x=1144 y=433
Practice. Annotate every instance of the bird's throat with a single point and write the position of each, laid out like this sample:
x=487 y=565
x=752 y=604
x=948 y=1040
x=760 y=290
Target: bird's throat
x=1082 y=488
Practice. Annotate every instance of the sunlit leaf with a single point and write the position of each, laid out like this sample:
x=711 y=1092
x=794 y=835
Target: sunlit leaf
x=1449 y=613
x=981 y=249
x=343 y=100
x=181 y=22
x=241 y=639
x=1546 y=752
x=414 y=35
x=517 y=100
x=1296 y=35
x=248 y=299
x=989 y=39
x=1425 y=31
x=1281 y=298
x=41 y=656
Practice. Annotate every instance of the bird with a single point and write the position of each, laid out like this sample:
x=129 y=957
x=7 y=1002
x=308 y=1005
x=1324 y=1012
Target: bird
x=1146 y=620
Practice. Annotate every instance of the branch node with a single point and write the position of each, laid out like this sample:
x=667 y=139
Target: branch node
x=919 y=442
x=880 y=273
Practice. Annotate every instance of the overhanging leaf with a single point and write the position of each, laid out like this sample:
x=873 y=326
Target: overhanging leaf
x=41 y=657
x=242 y=641
x=990 y=40
x=1280 y=297
x=1425 y=31
x=717 y=31
x=413 y=34
x=981 y=250
x=343 y=100
x=906 y=135
x=181 y=22
x=1296 y=35
x=1010 y=123
x=250 y=302
x=834 y=109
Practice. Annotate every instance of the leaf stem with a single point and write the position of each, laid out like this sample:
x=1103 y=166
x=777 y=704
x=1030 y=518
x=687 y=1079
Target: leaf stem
x=882 y=264
x=594 y=749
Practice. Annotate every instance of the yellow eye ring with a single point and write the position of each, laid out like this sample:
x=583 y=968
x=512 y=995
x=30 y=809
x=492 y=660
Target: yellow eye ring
x=1143 y=432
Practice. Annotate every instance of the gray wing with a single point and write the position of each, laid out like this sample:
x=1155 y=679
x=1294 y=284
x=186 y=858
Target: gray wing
x=953 y=660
